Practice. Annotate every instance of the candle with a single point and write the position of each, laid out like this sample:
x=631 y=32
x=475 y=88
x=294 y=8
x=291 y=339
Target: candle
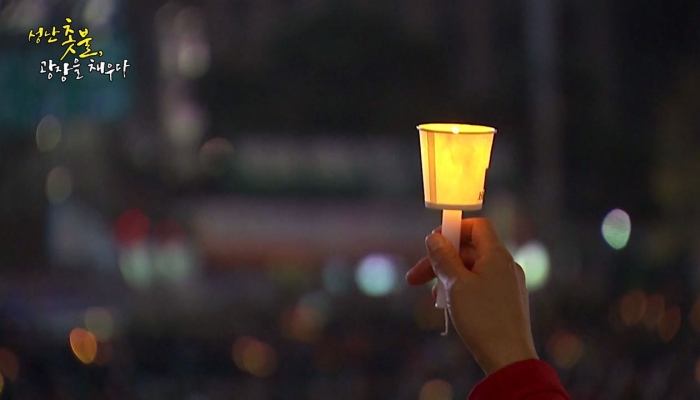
x=454 y=160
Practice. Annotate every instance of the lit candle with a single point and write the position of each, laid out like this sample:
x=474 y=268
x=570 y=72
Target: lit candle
x=454 y=158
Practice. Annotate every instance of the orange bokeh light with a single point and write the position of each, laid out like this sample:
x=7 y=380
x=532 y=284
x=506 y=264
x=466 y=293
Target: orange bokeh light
x=84 y=345
x=9 y=365
x=633 y=307
x=669 y=324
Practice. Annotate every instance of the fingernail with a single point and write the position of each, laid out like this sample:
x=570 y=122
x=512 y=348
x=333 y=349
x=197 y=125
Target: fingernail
x=435 y=242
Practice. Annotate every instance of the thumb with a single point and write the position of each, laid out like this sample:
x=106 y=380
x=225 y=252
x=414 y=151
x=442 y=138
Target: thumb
x=444 y=258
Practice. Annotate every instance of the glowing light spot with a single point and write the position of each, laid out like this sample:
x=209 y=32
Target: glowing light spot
x=565 y=349
x=254 y=357
x=9 y=365
x=174 y=262
x=376 y=275
x=48 y=133
x=135 y=266
x=436 y=389
x=455 y=129
x=98 y=12
x=237 y=350
x=633 y=307
x=656 y=305
x=99 y=321
x=59 y=185
x=337 y=276
x=84 y=345
x=131 y=228
x=616 y=228
x=186 y=123
x=301 y=323
x=534 y=259
x=669 y=324
x=215 y=156
x=193 y=56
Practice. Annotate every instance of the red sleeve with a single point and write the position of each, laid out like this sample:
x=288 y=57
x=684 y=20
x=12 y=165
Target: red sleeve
x=523 y=380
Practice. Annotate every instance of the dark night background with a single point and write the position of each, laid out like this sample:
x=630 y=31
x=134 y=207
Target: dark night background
x=233 y=217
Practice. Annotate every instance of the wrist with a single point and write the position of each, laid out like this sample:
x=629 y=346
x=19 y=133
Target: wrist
x=507 y=357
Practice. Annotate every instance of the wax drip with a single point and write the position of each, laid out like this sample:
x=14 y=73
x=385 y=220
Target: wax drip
x=447 y=323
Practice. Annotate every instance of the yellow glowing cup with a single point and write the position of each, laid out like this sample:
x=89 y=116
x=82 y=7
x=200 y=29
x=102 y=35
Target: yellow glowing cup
x=455 y=158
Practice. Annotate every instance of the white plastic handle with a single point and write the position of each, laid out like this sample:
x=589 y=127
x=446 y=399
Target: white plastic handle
x=451 y=230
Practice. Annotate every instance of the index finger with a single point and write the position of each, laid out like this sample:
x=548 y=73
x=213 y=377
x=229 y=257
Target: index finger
x=480 y=232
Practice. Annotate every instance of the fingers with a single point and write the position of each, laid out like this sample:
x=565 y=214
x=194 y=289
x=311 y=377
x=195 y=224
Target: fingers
x=480 y=232
x=422 y=272
x=446 y=262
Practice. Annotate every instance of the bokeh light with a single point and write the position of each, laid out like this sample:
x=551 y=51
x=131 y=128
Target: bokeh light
x=186 y=122
x=174 y=262
x=84 y=345
x=377 y=275
x=633 y=307
x=534 y=259
x=565 y=349
x=9 y=364
x=131 y=228
x=99 y=321
x=656 y=305
x=302 y=323
x=48 y=133
x=237 y=350
x=616 y=228
x=98 y=12
x=135 y=266
x=436 y=389
x=193 y=55
x=59 y=185
x=215 y=156
x=254 y=357
x=669 y=324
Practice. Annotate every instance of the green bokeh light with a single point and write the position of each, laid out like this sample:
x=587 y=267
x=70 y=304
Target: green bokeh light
x=376 y=275
x=616 y=229
x=534 y=259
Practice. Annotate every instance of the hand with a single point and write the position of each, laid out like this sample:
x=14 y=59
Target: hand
x=486 y=295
